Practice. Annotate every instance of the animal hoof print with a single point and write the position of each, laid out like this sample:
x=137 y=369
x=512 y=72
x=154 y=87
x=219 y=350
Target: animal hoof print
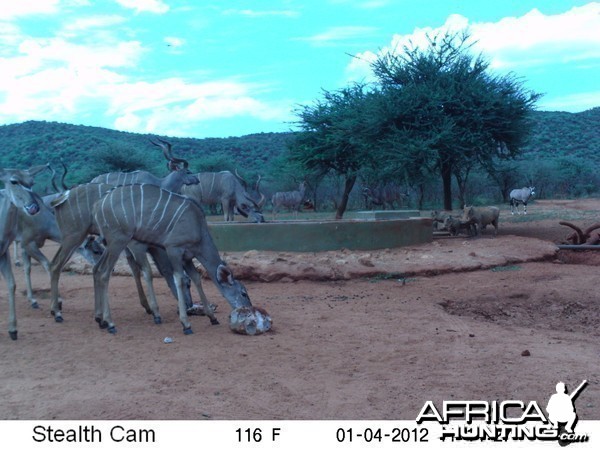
x=13 y=335
x=112 y=330
x=188 y=331
x=157 y=320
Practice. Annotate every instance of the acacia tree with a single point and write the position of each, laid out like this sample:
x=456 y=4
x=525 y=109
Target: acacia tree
x=447 y=99
x=337 y=135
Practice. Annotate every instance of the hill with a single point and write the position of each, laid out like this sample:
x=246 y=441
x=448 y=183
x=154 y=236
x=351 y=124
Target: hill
x=566 y=134
x=88 y=151
x=561 y=158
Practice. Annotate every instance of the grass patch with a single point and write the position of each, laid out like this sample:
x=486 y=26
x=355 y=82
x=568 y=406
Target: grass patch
x=391 y=276
x=505 y=268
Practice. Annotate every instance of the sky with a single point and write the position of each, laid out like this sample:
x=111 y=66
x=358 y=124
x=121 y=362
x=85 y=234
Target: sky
x=230 y=68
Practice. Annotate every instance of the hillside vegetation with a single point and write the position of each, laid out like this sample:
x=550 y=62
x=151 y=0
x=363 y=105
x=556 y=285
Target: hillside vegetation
x=561 y=159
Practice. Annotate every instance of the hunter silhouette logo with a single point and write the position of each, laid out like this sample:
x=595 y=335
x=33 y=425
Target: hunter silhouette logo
x=479 y=420
x=561 y=411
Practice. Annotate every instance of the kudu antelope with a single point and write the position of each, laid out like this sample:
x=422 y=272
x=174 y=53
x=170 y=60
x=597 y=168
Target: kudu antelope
x=46 y=199
x=225 y=188
x=383 y=196
x=74 y=216
x=32 y=233
x=292 y=200
x=176 y=223
x=16 y=195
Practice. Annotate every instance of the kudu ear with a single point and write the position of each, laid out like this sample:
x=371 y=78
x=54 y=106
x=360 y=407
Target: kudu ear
x=224 y=274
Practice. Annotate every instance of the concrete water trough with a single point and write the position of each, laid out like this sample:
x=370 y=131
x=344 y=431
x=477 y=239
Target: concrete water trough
x=321 y=235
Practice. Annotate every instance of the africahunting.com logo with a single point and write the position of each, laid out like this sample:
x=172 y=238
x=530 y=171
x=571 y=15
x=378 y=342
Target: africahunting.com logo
x=472 y=420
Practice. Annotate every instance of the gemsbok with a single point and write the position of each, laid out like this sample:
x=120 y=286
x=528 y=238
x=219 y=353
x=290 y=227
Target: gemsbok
x=520 y=196
x=160 y=218
x=16 y=195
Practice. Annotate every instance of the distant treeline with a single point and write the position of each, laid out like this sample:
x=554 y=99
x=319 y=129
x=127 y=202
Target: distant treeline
x=561 y=159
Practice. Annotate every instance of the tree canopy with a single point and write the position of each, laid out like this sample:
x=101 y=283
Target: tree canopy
x=433 y=110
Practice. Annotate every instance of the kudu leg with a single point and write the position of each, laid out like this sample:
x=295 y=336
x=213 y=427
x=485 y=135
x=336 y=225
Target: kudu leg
x=27 y=270
x=163 y=264
x=102 y=271
x=176 y=257
x=29 y=251
x=65 y=251
x=135 y=270
x=6 y=271
x=140 y=259
x=197 y=280
x=16 y=253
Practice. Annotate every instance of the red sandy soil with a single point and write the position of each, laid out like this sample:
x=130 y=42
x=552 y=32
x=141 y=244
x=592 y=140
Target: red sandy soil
x=356 y=335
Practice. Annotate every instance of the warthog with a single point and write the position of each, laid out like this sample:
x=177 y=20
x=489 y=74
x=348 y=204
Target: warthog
x=455 y=225
x=482 y=216
x=438 y=218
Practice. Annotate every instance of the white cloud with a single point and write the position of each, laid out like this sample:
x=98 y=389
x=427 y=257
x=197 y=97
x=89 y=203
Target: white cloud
x=338 y=34
x=262 y=13
x=91 y=22
x=49 y=77
x=13 y=9
x=153 y=6
x=173 y=106
x=374 y=4
x=56 y=79
x=513 y=42
x=84 y=71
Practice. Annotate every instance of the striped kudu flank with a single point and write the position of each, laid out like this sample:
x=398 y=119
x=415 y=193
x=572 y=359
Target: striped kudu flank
x=289 y=199
x=16 y=195
x=176 y=223
x=74 y=216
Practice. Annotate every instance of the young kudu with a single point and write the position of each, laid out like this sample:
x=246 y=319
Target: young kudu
x=292 y=200
x=16 y=195
x=176 y=223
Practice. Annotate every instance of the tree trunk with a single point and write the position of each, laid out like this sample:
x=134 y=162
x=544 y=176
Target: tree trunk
x=348 y=185
x=447 y=184
x=461 y=182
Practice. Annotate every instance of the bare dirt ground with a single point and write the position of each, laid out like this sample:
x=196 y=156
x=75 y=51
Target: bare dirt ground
x=356 y=335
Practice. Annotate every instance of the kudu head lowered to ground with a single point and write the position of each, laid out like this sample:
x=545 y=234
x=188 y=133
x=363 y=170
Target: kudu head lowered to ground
x=167 y=220
x=227 y=189
x=16 y=195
